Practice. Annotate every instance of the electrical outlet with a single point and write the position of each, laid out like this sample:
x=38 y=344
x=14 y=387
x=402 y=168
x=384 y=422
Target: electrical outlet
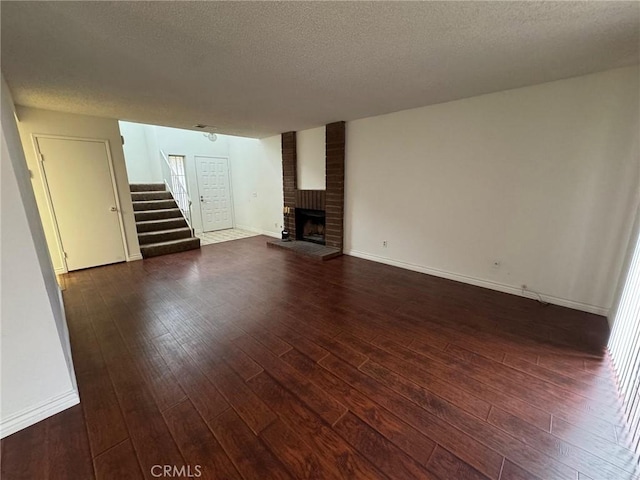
x=384 y=244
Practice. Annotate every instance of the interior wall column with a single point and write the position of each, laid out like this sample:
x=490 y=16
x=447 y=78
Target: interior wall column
x=289 y=180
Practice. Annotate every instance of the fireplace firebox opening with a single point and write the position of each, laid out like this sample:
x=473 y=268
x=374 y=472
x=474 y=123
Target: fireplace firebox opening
x=310 y=225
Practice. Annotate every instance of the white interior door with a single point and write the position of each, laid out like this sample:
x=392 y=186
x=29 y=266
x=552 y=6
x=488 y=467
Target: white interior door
x=215 y=193
x=78 y=175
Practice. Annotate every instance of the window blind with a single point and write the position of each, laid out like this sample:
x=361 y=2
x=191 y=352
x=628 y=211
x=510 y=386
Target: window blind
x=624 y=346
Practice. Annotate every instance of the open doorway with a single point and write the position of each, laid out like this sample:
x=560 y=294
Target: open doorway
x=226 y=187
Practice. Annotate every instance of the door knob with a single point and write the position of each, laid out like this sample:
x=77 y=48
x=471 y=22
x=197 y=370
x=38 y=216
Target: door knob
x=113 y=209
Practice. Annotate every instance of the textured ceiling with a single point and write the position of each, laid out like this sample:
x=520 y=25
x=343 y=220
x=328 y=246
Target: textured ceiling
x=261 y=68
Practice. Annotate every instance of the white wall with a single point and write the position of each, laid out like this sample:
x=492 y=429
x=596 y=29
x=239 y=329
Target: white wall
x=256 y=170
x=35 y=121
x=140 y=153
x=542 y=179
x=37 y=378
x=311 y=154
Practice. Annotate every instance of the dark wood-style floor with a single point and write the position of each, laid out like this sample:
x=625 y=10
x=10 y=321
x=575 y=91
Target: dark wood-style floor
x=241 y=361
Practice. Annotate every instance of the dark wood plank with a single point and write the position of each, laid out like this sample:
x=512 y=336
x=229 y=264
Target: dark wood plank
x=148 y=432
x=439 y=364
x=326 y=341
x=444 y=389
x=403 y=435
x=317 y=399
x=445 y=465
x=465 y=446
x=490 y=436
x=204 y=396
x=203 y=455
x=511 y=471
x=87 y=357
x=572 y=365
x=105 y=423
x=300 y=342
x=587 y=389
x=588 y=423
x=421 y=395
x=241 y=363
x=159 y=378
x=459 y=419
x=277 y=345
x=294 y=453
x=68 y=446
x=380 y=451
x=251 y=409
x=563 y=451
x=25 y=454
x=118 y=462
x=538 y=391
x=246 y=451
x=346 y=462
x=595 y=444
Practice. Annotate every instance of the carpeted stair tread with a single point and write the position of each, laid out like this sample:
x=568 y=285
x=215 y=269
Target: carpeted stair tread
x=161 y=224
x=147 y=187
x=154 y=195
x=159 y=214
x=172 y=246
x=154 y=205
x=163 y=235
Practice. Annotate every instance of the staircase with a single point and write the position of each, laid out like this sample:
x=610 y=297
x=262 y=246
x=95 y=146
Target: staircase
x=160 y=224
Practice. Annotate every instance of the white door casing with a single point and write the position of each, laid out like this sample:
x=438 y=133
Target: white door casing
x=214 y=188
x=80 y=184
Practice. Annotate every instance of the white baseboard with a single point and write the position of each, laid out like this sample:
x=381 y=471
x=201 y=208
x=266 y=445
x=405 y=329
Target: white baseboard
x=259 y=230
x=478 y=282
x=32 y=415
x=60 y=271
x=132 y=258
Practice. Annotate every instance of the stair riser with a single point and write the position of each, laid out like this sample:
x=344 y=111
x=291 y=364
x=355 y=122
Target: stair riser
x=163 y=225
x=145 y=238
x=146 y=187
x=191 y=244
x=156 y=215
x=158 y=205
x=141 y=196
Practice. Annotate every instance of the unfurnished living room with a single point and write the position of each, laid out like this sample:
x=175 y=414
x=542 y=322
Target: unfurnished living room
x=290 y=240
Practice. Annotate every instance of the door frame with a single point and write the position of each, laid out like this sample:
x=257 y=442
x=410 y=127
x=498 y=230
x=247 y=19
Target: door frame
x=231 y=203
x=49 y=201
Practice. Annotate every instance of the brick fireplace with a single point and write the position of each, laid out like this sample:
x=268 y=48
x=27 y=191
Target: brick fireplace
x=307 y=209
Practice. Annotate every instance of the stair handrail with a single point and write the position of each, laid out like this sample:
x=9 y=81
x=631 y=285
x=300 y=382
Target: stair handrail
x=177 y=188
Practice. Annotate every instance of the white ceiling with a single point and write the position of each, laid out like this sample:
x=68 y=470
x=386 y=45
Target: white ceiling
x=261 y=68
